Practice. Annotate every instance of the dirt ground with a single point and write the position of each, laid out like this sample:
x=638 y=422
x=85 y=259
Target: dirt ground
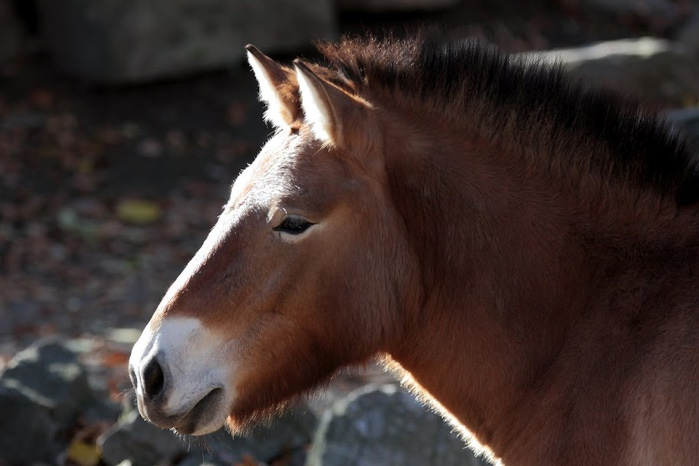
x=105 y=193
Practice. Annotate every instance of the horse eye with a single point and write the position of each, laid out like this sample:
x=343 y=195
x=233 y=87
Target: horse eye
x=294 y=225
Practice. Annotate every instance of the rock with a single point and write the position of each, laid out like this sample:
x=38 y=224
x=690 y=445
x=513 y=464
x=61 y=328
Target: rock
x=394 y=5
x=656 y=70
x=135 y=440
x=686 y=120
x=380 y=425
x=51 y=376
x=688 y=36
x=287 y=433
x=12 y=35
x=198 y=459
x=113 y=41
x=27 y=431
x=42 y=391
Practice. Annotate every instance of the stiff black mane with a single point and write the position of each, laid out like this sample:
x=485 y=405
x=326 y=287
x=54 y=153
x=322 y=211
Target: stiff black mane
x=537 y=106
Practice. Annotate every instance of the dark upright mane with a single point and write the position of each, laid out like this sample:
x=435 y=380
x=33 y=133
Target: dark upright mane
x=529 y=104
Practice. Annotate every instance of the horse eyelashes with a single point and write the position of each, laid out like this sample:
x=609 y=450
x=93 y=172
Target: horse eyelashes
x=294 y=225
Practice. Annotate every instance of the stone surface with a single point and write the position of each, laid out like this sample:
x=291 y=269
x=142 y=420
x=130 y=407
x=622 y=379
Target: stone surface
x=287 y=433
x=27 y=431
x=394 y=5
x=43 y=389
x=655 y=70
x=12 y=34
x=51 y=375
x=686 y=120
x=135 y=440
x=116 y=41
x=384 y=425
x=688 y=36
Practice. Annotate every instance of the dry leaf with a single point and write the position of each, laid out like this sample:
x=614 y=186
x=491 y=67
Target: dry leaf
x=138 y=212
x=83 y=453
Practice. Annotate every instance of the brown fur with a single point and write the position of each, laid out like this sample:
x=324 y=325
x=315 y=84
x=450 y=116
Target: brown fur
x=529 y=276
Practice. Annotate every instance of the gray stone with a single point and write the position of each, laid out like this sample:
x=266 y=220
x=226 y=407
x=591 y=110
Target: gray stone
x=198 y=458
x=42 y=391
x=686 y=121
x=12 y=36
x=117 y=41
x=51 y=376
x=688 y=36
x=139 y=442
x=656 y=70
x=289 y=432
x=27 y=431
x=394 y=5
x=135 y=440
x=384 y=425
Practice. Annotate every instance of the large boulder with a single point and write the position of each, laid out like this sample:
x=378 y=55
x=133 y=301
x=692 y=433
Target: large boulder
x=656 y=70
x=27 y=430
x=50 y=374
x=688 y=35
x=140 y=443
x=686 y=121
x=116 y=41
x=384 y=425
x=42 y=391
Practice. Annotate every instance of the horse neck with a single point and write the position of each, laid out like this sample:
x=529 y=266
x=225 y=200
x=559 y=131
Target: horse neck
x=507 y=271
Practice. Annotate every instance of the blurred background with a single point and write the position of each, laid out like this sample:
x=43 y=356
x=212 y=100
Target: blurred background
x=122 y=126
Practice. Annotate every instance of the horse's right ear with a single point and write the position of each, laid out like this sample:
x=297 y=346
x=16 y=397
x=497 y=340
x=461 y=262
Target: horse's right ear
x=283 y=108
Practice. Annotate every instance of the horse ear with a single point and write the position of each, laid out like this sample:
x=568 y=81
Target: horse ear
x=282 y=107
x=332 y=113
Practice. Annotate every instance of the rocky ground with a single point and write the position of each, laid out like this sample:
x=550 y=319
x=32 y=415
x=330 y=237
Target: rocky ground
x=106 y=191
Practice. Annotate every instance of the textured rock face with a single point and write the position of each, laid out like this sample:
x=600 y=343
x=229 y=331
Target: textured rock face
x=52 y=376
x=688 y=35
x=383 y=425
x=141 y=444
x=117 y=41
x=686 y=121
x=27 y=431
x=41 y=393
x=656 y=70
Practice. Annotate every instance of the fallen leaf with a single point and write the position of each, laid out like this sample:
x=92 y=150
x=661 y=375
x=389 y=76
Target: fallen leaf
x=138 y=212
x=83 y=453
x=115 y=358
x=248 y=461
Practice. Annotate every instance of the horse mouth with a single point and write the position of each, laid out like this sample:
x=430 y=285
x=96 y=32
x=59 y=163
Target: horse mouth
x=199 y=420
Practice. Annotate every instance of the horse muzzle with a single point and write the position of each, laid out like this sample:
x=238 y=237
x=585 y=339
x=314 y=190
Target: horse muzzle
x=177 y=381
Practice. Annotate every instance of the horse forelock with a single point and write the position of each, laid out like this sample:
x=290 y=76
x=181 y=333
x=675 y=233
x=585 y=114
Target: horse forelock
x=521 y=104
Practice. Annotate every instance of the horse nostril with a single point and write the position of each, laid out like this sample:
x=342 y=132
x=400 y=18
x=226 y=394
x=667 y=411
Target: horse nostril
x=153 y=379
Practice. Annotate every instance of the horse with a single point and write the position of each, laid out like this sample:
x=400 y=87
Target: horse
x=520 y=248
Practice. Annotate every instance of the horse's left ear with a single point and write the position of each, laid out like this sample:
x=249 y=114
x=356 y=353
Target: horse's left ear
x=282 y=107
x=337 y=118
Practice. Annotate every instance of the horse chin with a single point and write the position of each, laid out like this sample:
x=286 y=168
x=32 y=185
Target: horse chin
x=206 y=417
